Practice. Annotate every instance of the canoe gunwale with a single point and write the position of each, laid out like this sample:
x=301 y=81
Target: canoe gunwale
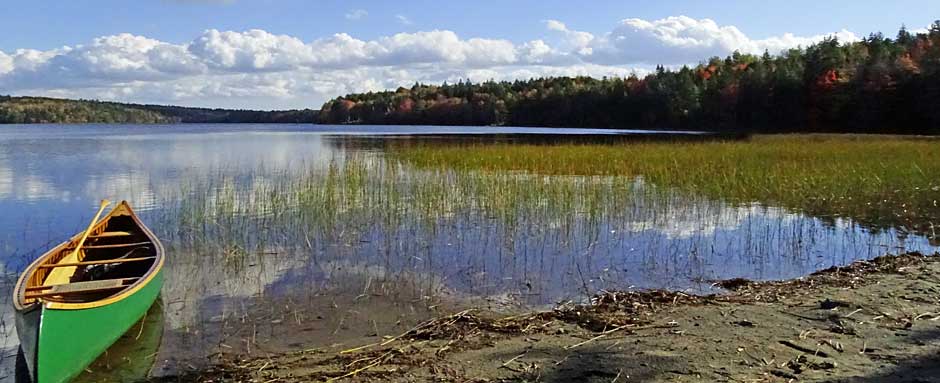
x=21 y=284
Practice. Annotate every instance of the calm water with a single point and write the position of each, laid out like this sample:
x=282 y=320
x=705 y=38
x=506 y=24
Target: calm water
x=256 y=266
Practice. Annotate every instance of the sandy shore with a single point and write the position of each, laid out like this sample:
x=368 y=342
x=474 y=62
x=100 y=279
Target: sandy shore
x=875 y=321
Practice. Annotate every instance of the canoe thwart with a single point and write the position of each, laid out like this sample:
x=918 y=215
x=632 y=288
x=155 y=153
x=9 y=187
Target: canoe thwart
x=109 y=234
x=46 y=287
x=99 y=262
x=82 y=287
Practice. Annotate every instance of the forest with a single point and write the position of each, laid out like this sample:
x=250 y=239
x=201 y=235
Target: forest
x=876 y=85
x=28 y=110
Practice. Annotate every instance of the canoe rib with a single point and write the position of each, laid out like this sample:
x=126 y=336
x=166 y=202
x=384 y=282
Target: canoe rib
x=110 y=234
x=114 y=246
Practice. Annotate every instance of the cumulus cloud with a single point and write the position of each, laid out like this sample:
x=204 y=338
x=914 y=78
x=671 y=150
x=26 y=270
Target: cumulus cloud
x=440 y=47
x=6 y=63
x=259 y=69
x=356 y=14
x=253 y=50
x=575 y=39
x=681 y=39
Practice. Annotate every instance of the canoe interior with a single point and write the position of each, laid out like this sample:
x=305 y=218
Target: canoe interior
x=117 y=254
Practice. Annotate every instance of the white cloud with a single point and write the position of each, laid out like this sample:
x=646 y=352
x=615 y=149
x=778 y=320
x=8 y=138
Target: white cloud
x=356 y=14
x=30 y=59
x=403 y=20
x=107 y=60
x=440 y=47
x=576 y=40
x=681 y=39
x=6 y=63
x=253 y=50
x=259 y=69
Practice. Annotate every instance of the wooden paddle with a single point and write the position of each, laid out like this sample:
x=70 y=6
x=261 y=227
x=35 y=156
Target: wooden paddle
x=64 y=274
x=78 y=246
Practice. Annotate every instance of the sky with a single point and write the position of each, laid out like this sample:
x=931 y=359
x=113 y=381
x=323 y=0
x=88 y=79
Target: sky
x=268 y=54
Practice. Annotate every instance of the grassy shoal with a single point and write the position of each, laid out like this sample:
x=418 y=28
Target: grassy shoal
x=880 y=181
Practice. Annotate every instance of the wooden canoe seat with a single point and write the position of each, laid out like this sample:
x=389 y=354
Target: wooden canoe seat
x=110 y=234
x=114 y=246
x=99 y=262
x=79 y=287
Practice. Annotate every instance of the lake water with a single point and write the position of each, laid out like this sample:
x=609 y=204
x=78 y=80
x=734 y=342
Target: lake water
x=261 y=262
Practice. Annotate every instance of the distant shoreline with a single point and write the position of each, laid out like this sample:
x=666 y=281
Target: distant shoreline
x=46 y=110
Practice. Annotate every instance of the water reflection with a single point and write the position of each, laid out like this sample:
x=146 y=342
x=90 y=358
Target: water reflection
x=49 y=175
x=284 y=237
x=133 y=355
x=9 y=343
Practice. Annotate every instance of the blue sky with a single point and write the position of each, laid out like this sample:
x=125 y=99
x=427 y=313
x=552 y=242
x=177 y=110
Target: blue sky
x=164 y=51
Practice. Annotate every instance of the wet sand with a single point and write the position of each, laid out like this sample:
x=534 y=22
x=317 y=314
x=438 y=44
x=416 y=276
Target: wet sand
x=872 y=321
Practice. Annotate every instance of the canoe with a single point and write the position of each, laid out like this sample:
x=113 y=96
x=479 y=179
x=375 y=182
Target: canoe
x=72 y=305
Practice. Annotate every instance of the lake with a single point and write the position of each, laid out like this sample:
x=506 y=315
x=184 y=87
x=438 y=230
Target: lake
x=286 y=236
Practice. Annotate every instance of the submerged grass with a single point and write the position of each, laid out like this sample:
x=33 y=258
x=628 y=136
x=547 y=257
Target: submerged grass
x=683 y=205
x=880 y=181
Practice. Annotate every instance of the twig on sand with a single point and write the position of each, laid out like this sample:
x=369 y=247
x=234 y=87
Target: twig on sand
x=363 y=347
x=807 y=350
x=506 y=364
x=620 y=372
x=381 y=359
x=852 y=313
x=603 y=334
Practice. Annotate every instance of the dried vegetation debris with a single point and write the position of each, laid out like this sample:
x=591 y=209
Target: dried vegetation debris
x=836 y=276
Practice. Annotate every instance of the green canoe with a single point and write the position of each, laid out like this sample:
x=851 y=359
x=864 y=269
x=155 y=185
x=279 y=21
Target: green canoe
x=78 y=298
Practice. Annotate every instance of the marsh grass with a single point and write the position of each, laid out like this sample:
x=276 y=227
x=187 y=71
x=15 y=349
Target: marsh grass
x=544 y=222
x=420 y=207
x=880 y=181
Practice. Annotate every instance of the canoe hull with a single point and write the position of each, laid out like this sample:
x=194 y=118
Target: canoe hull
x=27 y=329
x=67 y=341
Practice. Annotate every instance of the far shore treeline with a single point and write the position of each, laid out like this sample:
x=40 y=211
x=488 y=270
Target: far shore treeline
x=31 y=110
x=876 y=85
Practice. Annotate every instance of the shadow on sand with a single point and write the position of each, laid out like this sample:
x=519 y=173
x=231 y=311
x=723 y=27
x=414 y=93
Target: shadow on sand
x=597 y=363
x=924 y=367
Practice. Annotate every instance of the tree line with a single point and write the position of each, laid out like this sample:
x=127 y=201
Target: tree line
x=876 y=85
x=28 y=110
